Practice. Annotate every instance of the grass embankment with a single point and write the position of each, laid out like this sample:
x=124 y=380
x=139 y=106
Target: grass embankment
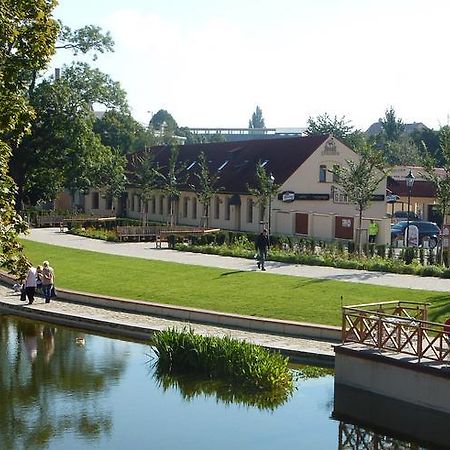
x=241 y=292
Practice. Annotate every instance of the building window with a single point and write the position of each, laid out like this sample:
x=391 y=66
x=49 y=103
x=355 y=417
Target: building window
x=161 y=205
x=227 y=209
x=109 y=202
x=339 y=196
x=138 y=203
x=323 y=174
x=194 y=208
x=95 y=200
x=249 y=210
x=216 y=207
x=153 y=205
x=185 y=206
x=262 y=210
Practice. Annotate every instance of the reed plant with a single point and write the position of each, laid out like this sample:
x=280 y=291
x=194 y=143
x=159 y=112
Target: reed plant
x=222 y=358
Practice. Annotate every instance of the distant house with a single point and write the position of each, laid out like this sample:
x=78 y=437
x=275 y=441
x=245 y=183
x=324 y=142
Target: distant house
x=422 y=196
x=307 y=203
x=376 y=128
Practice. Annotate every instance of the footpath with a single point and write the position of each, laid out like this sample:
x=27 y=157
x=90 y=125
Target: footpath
x=108 y=318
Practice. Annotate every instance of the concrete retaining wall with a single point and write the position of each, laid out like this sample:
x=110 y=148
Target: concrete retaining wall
x=394 y=376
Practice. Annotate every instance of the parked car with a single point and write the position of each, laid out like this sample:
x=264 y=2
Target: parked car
x=428 y=231
x=403 y=215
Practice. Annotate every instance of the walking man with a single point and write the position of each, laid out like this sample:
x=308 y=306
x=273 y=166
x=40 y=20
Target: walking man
x=262 y=245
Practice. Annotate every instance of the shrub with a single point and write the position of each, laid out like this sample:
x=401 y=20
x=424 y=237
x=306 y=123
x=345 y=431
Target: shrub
x=409 y=255
x=431 y=271
x=381 y=250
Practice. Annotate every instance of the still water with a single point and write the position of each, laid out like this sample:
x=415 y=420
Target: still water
x=61 y=388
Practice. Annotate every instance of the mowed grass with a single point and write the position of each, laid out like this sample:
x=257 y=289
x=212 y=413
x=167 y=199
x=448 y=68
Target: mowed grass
x=241 y=292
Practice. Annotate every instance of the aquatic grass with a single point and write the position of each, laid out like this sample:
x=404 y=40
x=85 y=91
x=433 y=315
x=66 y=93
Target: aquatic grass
x=221 y=357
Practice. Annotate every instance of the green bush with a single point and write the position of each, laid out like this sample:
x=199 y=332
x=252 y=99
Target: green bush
x=431 y=271
x=409 y=254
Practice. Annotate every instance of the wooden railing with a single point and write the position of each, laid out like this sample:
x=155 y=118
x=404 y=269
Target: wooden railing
x=396 y=327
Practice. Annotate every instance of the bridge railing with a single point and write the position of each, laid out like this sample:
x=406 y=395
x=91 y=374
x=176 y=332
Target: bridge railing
x=399 y=327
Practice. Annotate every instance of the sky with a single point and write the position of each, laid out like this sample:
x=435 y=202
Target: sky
x=211 y=62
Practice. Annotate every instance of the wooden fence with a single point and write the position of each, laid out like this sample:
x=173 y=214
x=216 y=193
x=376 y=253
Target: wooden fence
x=400 y=327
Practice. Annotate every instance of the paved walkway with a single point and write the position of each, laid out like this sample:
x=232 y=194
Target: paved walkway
x=147 y=250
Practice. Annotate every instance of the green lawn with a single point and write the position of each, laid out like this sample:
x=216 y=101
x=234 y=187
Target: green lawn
x=249 y=293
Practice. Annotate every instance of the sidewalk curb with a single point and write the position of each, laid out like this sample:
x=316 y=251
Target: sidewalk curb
x=250 y=323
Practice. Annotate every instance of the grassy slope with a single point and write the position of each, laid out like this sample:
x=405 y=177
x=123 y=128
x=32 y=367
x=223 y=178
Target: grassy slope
x=249 y=293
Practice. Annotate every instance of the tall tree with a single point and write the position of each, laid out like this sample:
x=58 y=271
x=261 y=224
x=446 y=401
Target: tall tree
x=392 y=127
x=120 y=131
x=360 y=180
x=62 y=146
x=206 y=186
x=338 y=127
x=441 y=179
x=27 y=39
x=257 y=120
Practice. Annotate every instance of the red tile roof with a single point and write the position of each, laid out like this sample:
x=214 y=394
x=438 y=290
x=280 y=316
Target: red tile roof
x=284 y=156
x=419 y=189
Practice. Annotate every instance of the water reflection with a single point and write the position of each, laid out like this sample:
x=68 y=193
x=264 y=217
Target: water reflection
x=190 y=388
x=354 y=437
x=371 y=421
x=39 y=369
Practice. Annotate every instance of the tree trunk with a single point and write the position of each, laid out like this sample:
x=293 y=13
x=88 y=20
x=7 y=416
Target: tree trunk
x=360 y=232
x=441 y=247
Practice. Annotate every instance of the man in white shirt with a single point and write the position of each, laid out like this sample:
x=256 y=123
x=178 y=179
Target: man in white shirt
x=30 y=284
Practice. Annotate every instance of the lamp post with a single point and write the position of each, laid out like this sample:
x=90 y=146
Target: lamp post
x=271 y=182
x=409 y=184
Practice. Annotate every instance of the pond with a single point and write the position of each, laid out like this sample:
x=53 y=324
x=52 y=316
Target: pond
x=61 y=388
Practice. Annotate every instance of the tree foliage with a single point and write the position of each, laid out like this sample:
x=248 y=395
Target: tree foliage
x=257 y=119
x=89 y=38
x=398 y=147
x=360 y=179
x=62 y=150
x=264 y=189
x=120 y=131
x=338 y=127
x=27 y=39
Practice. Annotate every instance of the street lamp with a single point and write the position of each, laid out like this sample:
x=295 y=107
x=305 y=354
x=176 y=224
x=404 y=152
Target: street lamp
x=271 y=182
x=409 y=184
